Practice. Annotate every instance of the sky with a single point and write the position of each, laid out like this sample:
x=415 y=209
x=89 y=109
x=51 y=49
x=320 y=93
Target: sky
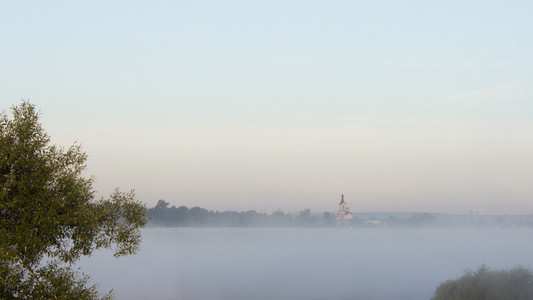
x=265 y=105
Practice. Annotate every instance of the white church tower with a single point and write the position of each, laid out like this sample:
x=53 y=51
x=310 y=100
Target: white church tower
x=344 y=211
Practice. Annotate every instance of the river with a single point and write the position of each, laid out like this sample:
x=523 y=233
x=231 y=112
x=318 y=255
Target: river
x=307 y=264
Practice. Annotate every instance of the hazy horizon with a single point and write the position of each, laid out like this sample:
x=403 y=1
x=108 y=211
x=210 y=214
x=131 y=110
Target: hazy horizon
x=334 y=210
x=232 y=105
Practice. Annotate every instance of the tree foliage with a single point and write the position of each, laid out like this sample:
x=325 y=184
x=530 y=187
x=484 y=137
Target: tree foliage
x=164 y=215
x=48 y=215
x=486 y=284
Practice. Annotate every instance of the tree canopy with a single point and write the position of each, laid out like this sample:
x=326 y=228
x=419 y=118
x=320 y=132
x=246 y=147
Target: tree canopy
x=49 y=217
x=487 y=284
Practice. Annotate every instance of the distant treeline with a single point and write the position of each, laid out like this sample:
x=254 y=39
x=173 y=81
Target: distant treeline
x=162 y=215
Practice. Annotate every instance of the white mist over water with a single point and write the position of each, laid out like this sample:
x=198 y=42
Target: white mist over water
x=333 y=263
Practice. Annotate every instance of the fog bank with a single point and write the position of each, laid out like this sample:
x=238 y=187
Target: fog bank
x=334 y=263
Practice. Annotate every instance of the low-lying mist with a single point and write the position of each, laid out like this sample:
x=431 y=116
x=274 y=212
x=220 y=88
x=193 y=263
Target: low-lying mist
x=304 y=263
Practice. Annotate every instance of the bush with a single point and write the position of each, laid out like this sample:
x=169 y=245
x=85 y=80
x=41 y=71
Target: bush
x=486 y=284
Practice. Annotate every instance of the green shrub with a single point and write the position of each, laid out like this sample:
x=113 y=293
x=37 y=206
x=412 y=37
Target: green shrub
x=486 y=284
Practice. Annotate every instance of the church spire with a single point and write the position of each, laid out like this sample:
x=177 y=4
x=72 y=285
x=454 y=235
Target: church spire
x=344 y=212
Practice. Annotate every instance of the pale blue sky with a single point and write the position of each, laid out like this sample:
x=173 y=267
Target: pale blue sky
x=401 y=106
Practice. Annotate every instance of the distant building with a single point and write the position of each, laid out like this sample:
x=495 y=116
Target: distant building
x=344 y=211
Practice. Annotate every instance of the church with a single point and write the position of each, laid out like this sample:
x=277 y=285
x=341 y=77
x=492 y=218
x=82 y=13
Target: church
x=344 y=211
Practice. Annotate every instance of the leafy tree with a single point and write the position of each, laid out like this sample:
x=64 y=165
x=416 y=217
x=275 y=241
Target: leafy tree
x=423 y=219
x=279 y=218
x=304 y=214
x=48 y=215
x=328 y=219
x=486 y=284
x=159 y=212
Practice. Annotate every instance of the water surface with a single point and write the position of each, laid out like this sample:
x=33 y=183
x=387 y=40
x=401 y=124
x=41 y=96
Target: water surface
x=332 y=263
